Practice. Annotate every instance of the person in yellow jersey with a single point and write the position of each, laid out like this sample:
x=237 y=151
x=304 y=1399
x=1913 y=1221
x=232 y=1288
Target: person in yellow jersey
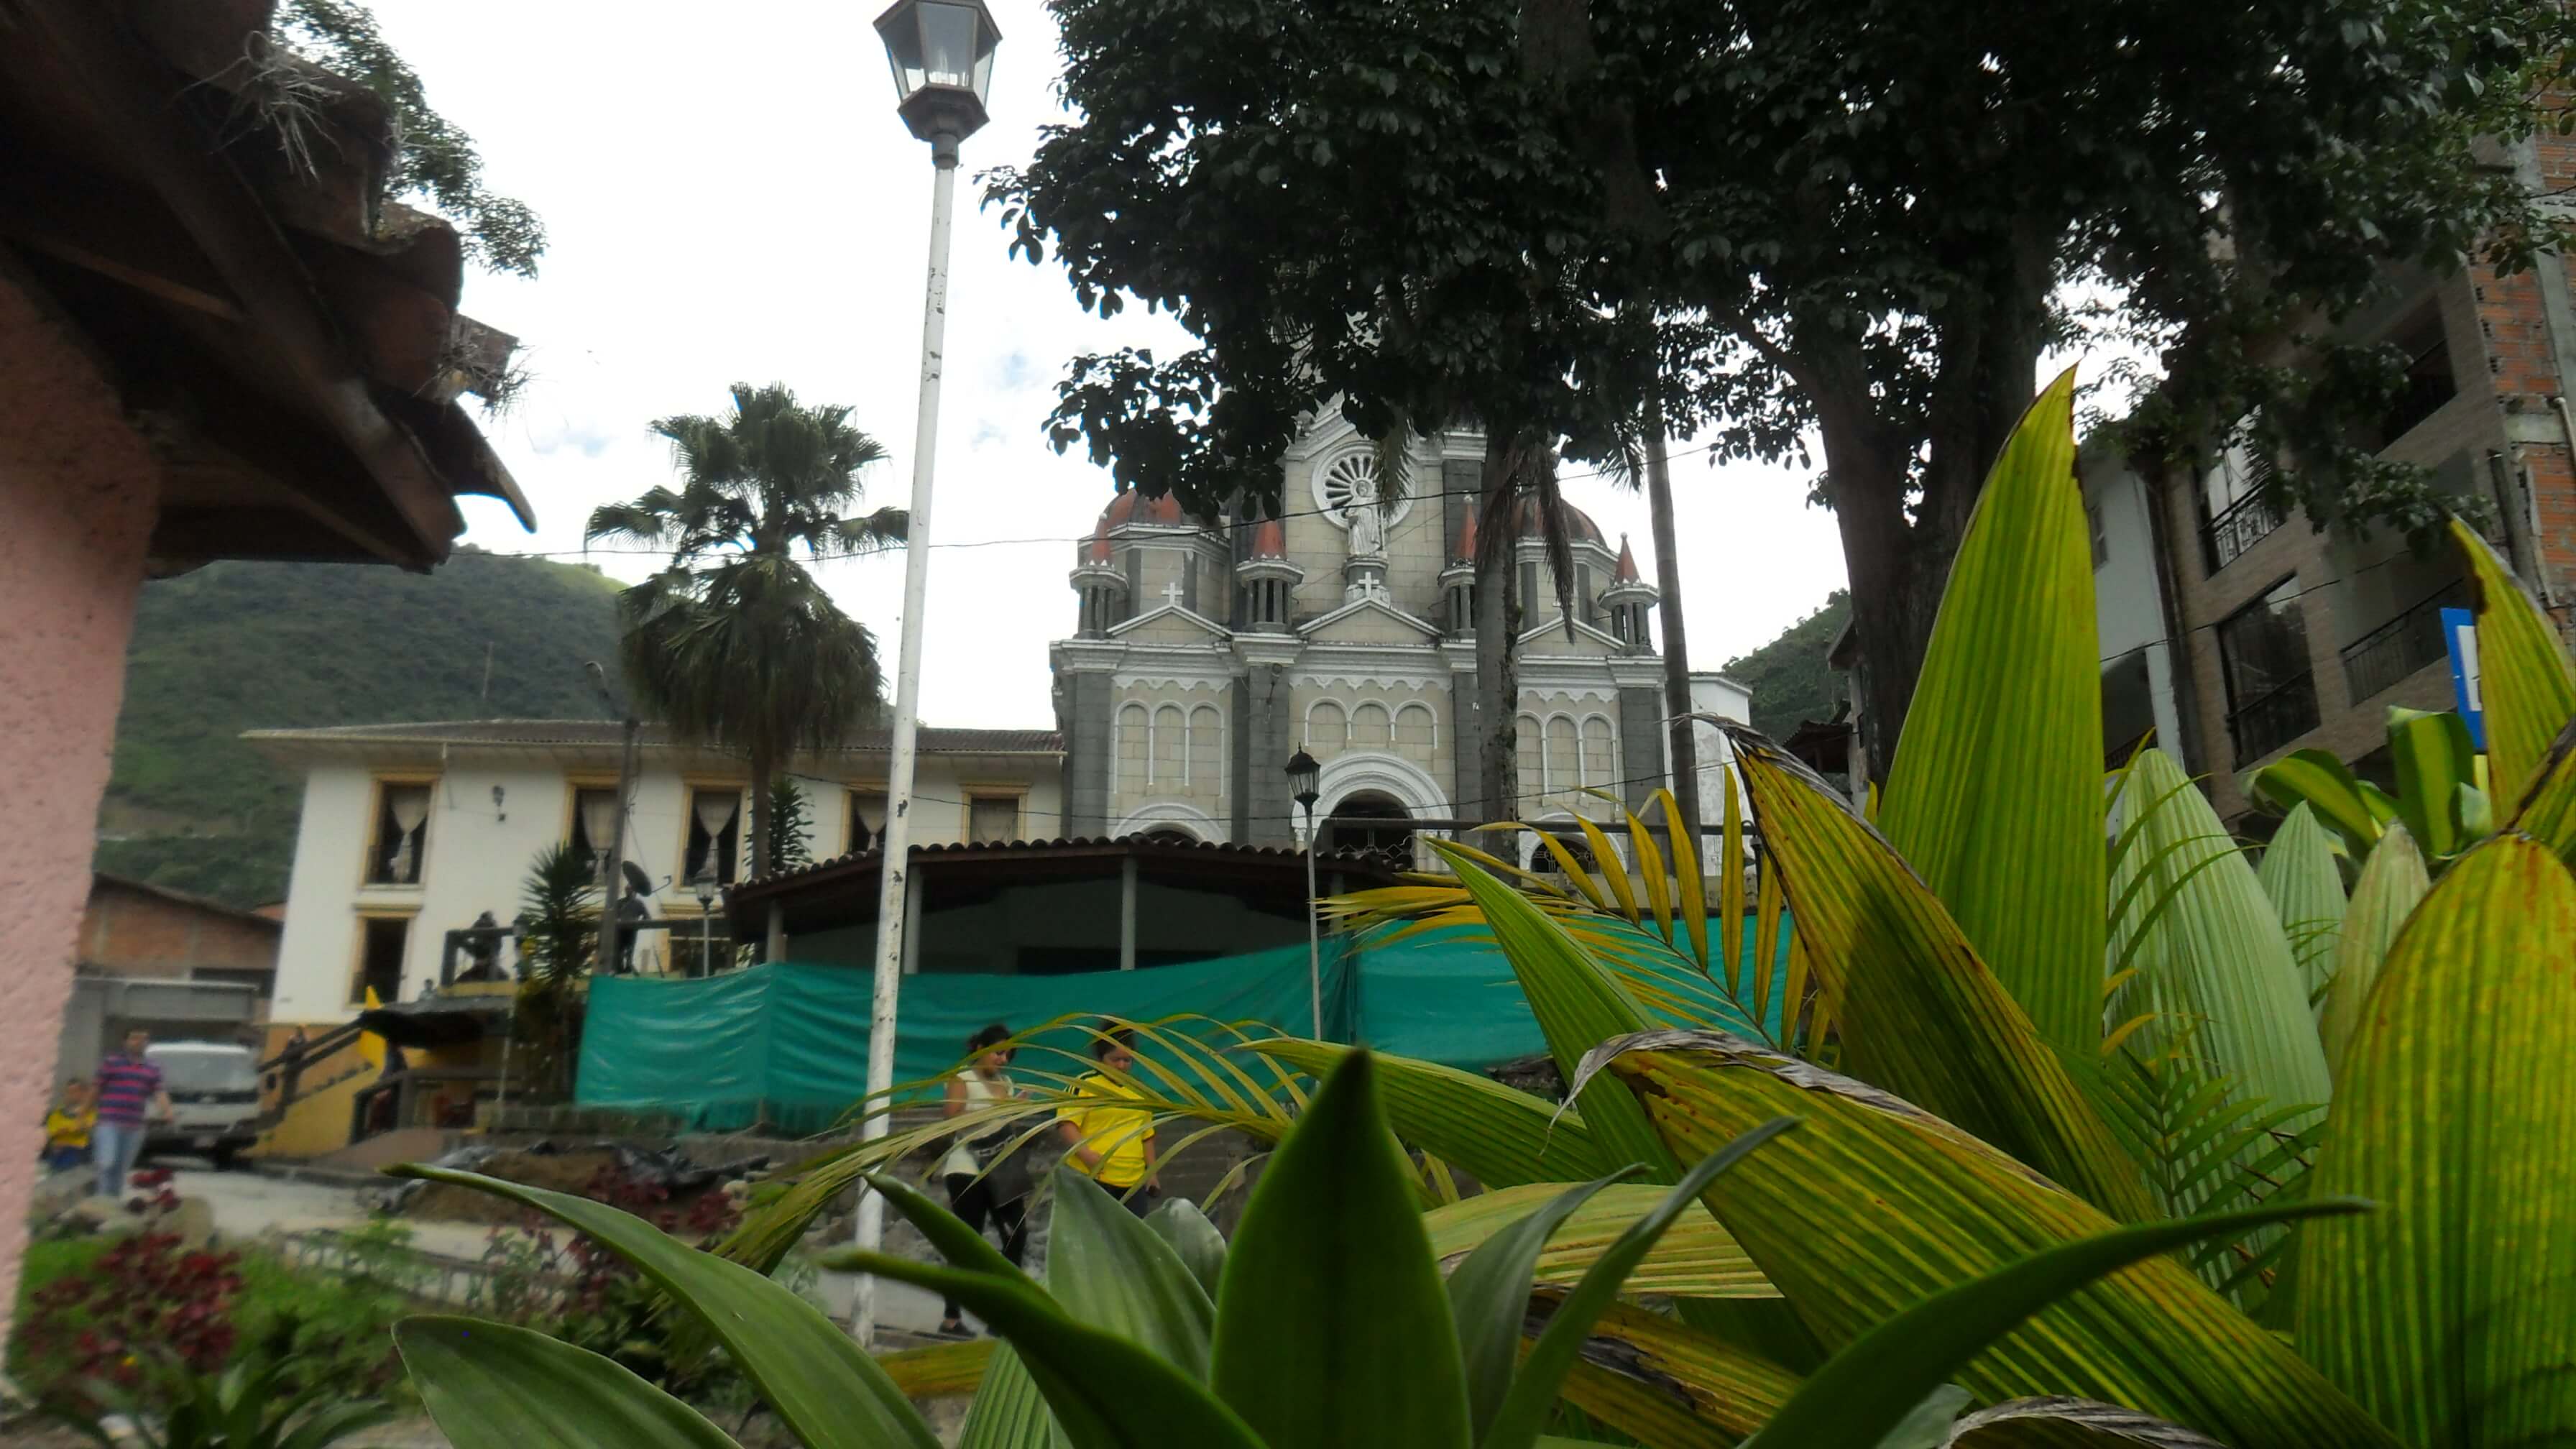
x=1106 y=1139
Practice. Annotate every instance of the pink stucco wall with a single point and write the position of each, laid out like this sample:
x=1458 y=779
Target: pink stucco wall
x=78 y=493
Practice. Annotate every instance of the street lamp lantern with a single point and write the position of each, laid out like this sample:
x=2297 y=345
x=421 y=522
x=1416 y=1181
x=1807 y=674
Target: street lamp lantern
x=1305 y=779
x=942 y=54
x=703 y=886
x=1304 y=775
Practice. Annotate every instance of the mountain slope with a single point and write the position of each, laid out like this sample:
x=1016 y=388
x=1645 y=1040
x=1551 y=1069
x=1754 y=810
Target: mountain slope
x=1789 y=677
x=240 y=646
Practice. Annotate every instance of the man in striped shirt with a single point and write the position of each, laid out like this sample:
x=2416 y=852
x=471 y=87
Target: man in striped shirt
x=129 y=1091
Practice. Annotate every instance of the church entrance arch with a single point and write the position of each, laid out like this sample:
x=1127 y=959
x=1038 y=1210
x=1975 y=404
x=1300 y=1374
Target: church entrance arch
x=1379 y=785
x=1393 y=839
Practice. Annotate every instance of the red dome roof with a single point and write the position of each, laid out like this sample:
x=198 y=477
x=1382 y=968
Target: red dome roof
x=1579 y=528
x=1134 y=507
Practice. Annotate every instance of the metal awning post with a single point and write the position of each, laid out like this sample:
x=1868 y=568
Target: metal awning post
x=1127 y=913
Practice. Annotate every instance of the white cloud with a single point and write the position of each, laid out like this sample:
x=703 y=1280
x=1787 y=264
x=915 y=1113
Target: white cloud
x=737 y=201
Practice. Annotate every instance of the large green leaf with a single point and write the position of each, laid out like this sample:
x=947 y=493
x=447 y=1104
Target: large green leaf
x=1111 y=1271
x=1578 y=1002
x=1201 y=1247
x=1009 y=1411
x=2323 y=783
x=1106 y=1391
x=2215 y=973
x=2436 y=765
x=1667 y=1384
x=2526 y=684
x=1697 y=1258
x=494 y=1386
x=1921 y=1015
x=1876 y=1205
x=1331 y=1326
x=2391 y=883
x=2452 y=1316
x=1501 y=1136
x=813 y=1376
x=1489 y=1293
x=1995 y=796
x=2306 y=887
x=1534 y=1389
x=938 y=1370
x=1869 y=1388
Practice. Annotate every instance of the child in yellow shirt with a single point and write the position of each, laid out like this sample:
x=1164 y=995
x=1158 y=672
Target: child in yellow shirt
x=67 y=1127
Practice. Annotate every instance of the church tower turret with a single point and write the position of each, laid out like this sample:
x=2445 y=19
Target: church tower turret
x=1627 y=601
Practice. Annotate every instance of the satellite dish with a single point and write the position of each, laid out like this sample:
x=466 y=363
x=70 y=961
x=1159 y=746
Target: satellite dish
x=636 y=879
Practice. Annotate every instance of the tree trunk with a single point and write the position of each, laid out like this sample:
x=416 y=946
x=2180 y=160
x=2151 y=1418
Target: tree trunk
x=1668 y=579
x=1899 y=567
x=761 y=768
x=1497 y=683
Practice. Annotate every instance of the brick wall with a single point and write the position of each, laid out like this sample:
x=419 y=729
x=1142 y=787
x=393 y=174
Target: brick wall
x=130 y=930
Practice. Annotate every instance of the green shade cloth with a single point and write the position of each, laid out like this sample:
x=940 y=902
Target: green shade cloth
x=785 y=1045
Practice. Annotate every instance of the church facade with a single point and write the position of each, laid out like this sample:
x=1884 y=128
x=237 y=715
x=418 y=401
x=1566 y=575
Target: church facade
x=1206 y=653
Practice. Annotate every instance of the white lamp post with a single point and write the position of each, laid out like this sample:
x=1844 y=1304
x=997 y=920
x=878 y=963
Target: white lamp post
x=1304 y=778
x=942 y=54
x=703 y=886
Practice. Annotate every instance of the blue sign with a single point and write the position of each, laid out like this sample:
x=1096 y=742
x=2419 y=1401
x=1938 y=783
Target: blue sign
x=2460 y=632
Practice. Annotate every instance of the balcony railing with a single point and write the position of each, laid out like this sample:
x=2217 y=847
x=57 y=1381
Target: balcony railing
x=2274 y=718
x=2379 y=659
x=2247 y=522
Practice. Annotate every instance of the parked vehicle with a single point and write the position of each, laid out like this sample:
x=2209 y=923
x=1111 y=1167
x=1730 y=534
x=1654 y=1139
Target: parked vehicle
x=214 y=1099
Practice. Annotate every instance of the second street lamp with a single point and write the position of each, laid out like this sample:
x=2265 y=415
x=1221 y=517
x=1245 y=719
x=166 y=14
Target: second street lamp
x=1304 y=776
x=703 y=886
x=942 y=55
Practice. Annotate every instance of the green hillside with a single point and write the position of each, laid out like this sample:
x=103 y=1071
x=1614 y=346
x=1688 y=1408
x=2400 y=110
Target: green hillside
x=1788 y=676
x=241 y=646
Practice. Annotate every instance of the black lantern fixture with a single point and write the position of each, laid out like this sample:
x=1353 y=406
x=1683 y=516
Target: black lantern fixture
x=1304 y=777
x=942 y=54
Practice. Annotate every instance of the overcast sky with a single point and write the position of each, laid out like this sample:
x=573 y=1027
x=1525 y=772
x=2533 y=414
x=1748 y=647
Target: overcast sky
x=728 y=195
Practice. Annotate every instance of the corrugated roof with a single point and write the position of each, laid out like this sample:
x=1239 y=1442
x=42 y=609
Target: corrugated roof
x=601 y=732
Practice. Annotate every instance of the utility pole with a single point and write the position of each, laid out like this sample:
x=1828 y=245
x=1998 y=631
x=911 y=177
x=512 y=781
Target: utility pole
x=609 y=887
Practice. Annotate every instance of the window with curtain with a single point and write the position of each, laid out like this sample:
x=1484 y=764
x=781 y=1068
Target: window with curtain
x=867 y=818
x=992 y=819
x=715 y=834
x=594 y=825
x=401 y=836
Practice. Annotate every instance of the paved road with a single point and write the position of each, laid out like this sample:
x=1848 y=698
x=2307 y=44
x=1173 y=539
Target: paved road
x=250 y=1205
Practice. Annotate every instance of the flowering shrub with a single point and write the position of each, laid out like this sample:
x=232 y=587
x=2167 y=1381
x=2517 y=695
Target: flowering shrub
x=141 y=1295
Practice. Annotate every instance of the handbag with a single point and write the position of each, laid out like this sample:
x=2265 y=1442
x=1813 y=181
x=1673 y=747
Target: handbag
x=1006 y=1173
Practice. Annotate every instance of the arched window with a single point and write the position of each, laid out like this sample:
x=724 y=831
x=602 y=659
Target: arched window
x=1600 y=754
x=1207 y=751
x=1370 y=727
x=1529 y=740
x=1132 y=730
x=1417 y=734
x=1564 y=762
x=1393 y=839
x=1328 y=730
x=1170 y=734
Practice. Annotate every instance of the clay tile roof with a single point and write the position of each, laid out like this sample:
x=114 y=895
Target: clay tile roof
x=1578 y=524
x=1626 y=573
x=604 y=733
x=1465 y=552
x=1270 y=540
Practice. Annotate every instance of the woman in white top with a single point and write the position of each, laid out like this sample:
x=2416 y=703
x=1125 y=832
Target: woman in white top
x=976 y=1190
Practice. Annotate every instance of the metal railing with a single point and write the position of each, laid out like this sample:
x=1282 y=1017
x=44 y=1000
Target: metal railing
x=2274 y=718
x=2247 y=522
x=2379 y=659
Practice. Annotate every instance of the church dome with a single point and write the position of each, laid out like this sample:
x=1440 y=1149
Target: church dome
x=1134 y=507
x=1579 y=528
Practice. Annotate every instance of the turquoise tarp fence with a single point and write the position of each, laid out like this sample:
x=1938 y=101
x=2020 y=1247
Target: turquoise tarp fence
x=785 y=1044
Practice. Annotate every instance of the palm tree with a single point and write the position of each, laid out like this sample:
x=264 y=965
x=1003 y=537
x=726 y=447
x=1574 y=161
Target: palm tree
x=734 y=644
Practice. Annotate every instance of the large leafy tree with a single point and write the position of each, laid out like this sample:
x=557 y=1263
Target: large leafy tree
x=734 y=644
x=1349 y=206
x=1862 y=226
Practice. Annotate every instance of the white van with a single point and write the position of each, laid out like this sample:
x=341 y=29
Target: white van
x=214 y=1099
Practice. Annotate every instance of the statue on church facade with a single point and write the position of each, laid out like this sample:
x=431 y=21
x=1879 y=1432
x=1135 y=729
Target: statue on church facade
x=1367 y=522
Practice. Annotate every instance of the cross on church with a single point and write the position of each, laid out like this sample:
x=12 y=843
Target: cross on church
x=1172 y=594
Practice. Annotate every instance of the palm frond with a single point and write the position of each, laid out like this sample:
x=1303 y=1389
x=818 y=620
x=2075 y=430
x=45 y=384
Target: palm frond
x=887 y=528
